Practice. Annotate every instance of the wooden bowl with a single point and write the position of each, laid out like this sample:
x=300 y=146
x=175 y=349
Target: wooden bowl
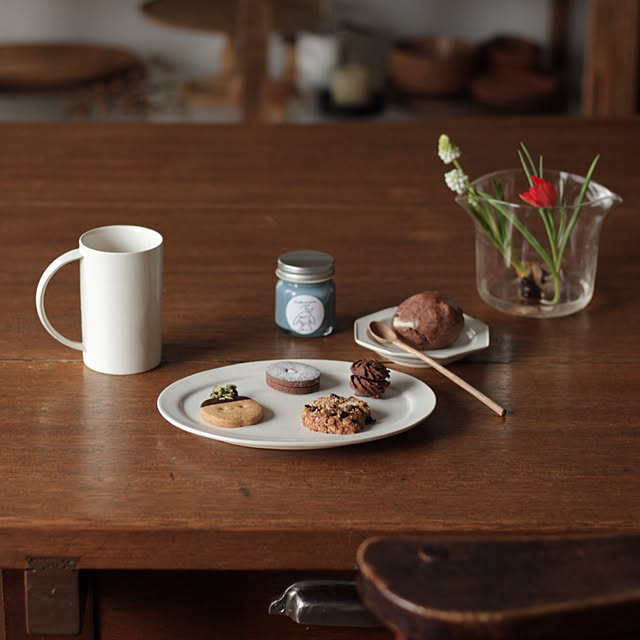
x=437 y=65
x=512 y=53
x=516 y=91
x=57 y=65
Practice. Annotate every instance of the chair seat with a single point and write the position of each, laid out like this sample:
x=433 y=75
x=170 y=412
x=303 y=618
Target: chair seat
x=443 y=589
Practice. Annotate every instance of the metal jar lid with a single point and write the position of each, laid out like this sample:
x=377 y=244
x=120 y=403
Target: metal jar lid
x=306 y=266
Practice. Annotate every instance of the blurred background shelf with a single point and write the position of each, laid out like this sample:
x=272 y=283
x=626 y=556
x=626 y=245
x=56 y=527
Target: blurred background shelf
x=252 y=60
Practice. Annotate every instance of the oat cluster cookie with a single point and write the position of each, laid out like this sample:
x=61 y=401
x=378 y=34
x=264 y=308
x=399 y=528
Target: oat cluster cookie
x=335 y=414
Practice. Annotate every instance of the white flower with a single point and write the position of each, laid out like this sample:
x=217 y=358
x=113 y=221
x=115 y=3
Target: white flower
x=456 y=180
x=447 y=151
x=473 y=199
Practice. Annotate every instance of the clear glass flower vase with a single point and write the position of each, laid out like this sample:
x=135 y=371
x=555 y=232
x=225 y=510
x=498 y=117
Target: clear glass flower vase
x=536 y=262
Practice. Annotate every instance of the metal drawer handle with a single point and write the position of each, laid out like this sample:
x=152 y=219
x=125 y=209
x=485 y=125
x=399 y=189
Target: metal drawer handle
x=333 y=603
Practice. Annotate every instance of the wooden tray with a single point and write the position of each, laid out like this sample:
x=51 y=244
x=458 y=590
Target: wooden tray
x=32 y=67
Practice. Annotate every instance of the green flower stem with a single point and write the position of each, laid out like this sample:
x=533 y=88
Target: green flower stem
x=487 y=223
x=494 y=229
x=563 y=215
x=577 y=209
x=557 y=287
x=502 y=223
x=529 y=160
x=494 y=225
x=532 y=240
x=547 y=219
x=507 y=255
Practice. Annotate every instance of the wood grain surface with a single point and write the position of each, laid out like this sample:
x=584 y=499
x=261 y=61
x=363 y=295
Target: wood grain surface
x=91 y=470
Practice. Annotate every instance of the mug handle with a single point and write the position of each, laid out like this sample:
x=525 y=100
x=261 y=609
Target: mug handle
x=46 y=276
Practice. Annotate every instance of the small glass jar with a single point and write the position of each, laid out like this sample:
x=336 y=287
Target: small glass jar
x=305 y=294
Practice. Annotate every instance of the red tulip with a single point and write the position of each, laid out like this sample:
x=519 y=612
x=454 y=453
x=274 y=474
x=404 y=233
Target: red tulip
x=541 y=194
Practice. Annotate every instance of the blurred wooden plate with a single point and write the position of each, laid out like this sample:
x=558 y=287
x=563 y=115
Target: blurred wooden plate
x=32 y=67
x=516 y=90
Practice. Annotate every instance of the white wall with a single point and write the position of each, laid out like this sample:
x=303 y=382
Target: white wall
x=472 y=19
x=121 y=22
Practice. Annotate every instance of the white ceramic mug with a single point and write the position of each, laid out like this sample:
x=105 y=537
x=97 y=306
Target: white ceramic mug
x=316 y=57
x=120 y=298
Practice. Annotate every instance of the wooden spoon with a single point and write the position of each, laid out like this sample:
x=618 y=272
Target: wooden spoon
x=386 y=335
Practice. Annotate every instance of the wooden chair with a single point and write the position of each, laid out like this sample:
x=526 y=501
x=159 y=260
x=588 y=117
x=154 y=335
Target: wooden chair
x=524 y=589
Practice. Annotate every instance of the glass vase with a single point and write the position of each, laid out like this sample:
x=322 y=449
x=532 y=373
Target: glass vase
x=537 y=262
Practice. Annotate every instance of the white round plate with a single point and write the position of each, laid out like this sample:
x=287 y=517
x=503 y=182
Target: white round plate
x=404 y=404
x=474 y=337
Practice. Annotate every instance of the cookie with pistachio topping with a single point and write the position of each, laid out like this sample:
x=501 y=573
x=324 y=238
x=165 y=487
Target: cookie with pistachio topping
x=225 y=408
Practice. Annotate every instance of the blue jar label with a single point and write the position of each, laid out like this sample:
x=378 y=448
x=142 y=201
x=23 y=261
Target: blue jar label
x=305 y=314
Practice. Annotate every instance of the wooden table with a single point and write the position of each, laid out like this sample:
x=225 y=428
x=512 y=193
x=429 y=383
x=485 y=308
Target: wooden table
x=94 y=479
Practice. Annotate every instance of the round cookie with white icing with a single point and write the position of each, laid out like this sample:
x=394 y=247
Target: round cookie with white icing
x=293 y=377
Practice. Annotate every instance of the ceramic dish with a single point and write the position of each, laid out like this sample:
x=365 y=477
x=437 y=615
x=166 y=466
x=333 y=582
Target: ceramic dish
x=474 y=337
x=405 y=404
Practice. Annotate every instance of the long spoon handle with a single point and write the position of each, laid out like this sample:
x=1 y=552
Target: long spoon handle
x=453 y=377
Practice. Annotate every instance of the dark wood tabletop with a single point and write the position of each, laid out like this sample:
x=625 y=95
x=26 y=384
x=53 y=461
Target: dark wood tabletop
x=90 y=469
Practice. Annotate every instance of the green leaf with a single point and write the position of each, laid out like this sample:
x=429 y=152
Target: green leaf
x=532 y=166
x=497 y=187
x=526 y=168
x=577 y=209
x=529 y=237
